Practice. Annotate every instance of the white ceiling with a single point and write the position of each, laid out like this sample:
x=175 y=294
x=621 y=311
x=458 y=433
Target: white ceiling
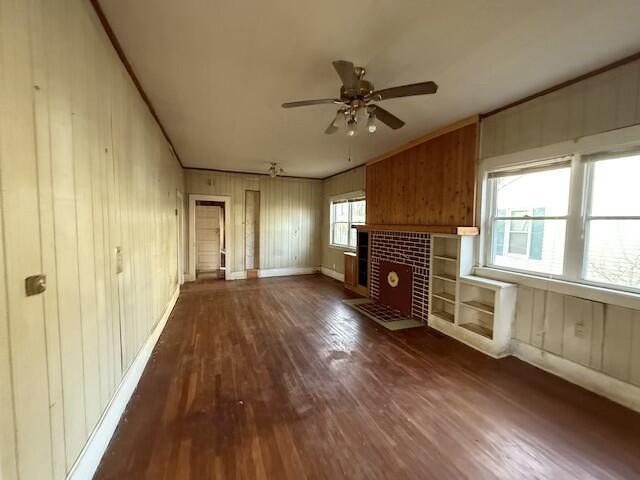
x=217 y=71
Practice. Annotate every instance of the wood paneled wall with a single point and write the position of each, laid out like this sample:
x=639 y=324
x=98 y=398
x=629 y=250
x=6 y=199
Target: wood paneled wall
x=290 y=215
x=600 y=336
x=432 y=183
x=347 y=182
x=84 y=168
x=604 y=102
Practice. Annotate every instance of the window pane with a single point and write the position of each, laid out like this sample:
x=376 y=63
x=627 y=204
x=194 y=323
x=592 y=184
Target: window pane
x=341 y=212
x=341 y=233
x=357 y=211
x=613 y=252
x=615 y=187
x=353 y=237
x=538 y=248
x=544 y=193
x=518 y=243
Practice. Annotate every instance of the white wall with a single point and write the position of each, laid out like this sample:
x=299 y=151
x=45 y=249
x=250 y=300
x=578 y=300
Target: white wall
x=83 y=168
x=347 y=182
x=290 y=215
x=591 y=328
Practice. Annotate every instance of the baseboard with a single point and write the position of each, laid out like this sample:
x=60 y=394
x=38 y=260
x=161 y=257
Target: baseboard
x=92 y=452
x=236 y=275
x=332 y=273
x=620 y=392
x=283 y=272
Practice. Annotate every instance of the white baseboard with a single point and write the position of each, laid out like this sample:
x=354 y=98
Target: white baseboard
x=87 y=462
x=332 y=273
x=620 y=392
x=283 y=272
x=236 y=275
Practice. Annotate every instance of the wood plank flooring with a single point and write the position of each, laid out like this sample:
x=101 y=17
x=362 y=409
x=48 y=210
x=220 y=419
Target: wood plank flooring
x=278 y=379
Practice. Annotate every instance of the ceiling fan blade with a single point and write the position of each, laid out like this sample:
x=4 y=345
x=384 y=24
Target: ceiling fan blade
x=347 y=73
x=388 y=118
x=424 y=88
x=304 y=103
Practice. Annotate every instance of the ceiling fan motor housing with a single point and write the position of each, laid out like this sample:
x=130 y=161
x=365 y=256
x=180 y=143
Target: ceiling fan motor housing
x=363 y=89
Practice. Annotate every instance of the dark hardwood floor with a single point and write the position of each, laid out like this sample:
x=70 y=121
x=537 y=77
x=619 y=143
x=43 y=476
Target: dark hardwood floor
x=278 y=379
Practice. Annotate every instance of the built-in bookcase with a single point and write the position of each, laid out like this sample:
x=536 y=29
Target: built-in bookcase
x=474 y=310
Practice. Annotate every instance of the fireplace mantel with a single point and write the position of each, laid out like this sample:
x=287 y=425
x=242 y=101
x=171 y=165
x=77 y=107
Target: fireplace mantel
x=441 y=229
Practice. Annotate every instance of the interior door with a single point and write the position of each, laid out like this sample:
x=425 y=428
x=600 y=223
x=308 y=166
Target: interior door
x=207 y=238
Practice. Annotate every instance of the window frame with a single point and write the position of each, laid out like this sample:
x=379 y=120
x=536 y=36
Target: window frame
x=349 y=199
x=577 y=219
x=588 y=165
x=492 y=217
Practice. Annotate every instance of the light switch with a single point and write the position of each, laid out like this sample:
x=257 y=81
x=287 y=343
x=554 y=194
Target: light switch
x=118 y=260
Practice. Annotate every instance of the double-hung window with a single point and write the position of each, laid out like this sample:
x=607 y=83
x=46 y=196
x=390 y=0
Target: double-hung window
x=576 y=219
x=529 y=217
x=612 y=220
x=345 y=215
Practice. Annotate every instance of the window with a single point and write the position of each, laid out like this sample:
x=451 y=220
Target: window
x=612 y=223
x=345 y=214
x=529 y=218
x=577 y=219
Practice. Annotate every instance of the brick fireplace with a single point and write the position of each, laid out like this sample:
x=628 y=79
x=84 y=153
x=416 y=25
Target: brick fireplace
x=411 y=249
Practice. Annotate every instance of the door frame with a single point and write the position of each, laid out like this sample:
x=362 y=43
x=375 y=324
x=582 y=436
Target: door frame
x=193 y=198
x=180 y=235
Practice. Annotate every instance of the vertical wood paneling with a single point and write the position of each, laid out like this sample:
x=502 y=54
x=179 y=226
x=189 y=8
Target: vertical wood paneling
x=347 y=182
x=21 y=252
x=600 y=336
x=289 y=213
x=635 y=349
x=47 y=233
x=524 y=314
x=554 y=322
x=597 y=104
x=432 y=183
x=618 y=331
x=84 y=168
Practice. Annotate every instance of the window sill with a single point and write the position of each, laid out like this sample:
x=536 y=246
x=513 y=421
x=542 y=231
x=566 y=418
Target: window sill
x=589 y=292
x=342 y=248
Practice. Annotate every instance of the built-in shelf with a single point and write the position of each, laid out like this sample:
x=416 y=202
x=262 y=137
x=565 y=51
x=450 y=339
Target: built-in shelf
x=445 y=276
x=481 y=307
x=449 y=317
x=479 y=329
x=447 y=297
x=474 y=310
x=446 y=258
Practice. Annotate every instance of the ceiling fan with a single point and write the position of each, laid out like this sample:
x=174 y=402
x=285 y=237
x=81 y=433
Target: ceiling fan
x=356 y=97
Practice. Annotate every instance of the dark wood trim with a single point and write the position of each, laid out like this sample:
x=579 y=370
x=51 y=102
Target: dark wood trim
x=566 y=83
x=217 y=170
x=443 y=229
x=123 y=58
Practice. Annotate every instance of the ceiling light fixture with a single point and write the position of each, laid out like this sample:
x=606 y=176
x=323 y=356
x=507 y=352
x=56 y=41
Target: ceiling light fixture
x=352 y=125
x=275 y=170
x=371 y=123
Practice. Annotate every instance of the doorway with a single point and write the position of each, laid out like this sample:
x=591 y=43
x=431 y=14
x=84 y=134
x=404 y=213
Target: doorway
x=209 y=239
x=209 y=249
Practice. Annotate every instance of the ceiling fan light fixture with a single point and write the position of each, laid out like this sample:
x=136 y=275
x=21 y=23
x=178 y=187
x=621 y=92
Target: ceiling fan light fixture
x=371 y=123
x=352 y=126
